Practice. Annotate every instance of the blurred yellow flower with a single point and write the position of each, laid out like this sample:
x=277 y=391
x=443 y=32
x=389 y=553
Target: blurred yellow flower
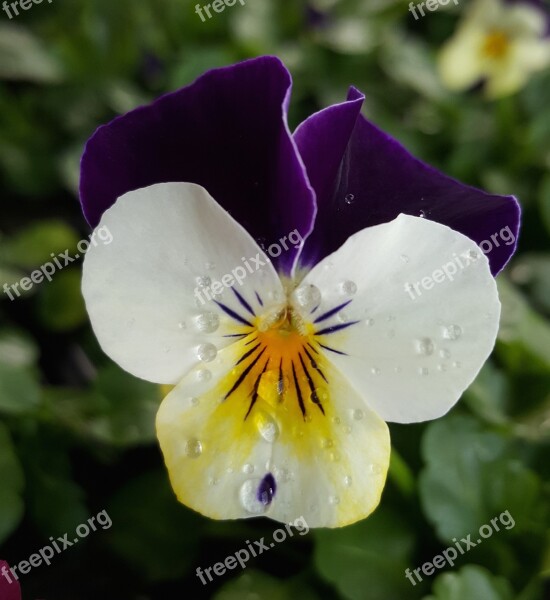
x=500 y=43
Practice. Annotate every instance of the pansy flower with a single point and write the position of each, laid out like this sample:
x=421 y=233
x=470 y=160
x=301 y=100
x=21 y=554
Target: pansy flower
x=499 y=43
x=267 y=276
x=9 y=584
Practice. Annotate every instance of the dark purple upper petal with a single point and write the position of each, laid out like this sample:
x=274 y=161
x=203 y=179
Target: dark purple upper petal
x=363 y=177
x=9 y=586
x=227 y=132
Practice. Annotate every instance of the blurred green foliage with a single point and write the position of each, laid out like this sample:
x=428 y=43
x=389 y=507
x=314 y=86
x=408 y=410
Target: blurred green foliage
x=77 y=433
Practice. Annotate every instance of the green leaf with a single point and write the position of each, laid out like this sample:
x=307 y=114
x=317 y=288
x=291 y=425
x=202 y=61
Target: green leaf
x=151 y=531
x=60 y=303
x=11 y=478
x=17 y=349
x=255 y=584
x=34 y=245
x=370 y=555
x=471 y=582
x=544 y=201
x=472 y=476
x=24 y=58
x=19 y=389
x=489 y=395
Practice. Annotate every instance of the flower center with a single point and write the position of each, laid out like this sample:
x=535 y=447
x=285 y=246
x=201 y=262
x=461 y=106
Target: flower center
x=496 y=45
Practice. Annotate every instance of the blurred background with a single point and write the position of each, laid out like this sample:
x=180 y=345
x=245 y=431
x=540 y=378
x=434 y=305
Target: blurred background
x=77 y=433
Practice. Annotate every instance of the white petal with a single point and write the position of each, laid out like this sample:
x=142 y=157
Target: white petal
x=143 y=291
x=327 y=467
x=410 y=354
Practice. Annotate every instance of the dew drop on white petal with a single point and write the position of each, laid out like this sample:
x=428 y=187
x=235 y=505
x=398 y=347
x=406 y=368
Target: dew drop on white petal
x=375 y=469
x=327 y=443
x=204 y=375
x=457 y=364
x=342 y=317
x=375 y=371
x=349 y=198
x=209 y=266
x=334 y=500
x=404 y=258
x=195 y=401
x=422 y=214
x=267 y=427
x=441 y=368
x=207 y=322
x=327 y=266
x=213 y=481
x=347 y=429
x=203 y=281
x=473 y=255
x=336 y=420
x=347 y=481
x=349 y=288
x=423 y=371
x=248 y=469
x=452 y=332
x=398 y=369
x=249 y=499
x=444 y=353
x=369 y=322
x=358 y=414
x=193 y=448
x=390 y=318
x=207 y=352
x=182 y=325
x=334 y=456
x=308 y=296
x=424 y=346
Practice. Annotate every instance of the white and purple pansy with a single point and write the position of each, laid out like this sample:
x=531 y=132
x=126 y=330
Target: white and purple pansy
x=287 y=364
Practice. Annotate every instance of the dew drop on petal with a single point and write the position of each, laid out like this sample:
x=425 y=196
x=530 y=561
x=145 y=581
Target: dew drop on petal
x=349 y=288
x=422 y=214
x=249 y=499
x=473 y=255
x=391 y=333
x=369 y=322
x=195 y=401
x=444 y=353
x=375 y=371
x=404 y=258
x=375 y=469
x=347 y=481
x=209 y=266
x=327 y=443
x=308 y=296
x=203 y=281
x=267 y=427
x=423 y=371
x=358 y=414
x=349 y=198
x=441 y=368
x=452 y=332
x=182 y=325
x=457 y=364
x=204 y=375
x=207 y=322
x=334 y=500
x=193 y=448
x=424 y=346
x=342 y=317
x=207 y=352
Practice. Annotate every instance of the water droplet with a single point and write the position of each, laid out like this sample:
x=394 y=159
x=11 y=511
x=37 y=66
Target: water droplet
x=195 y=401
x=444 y=353
x=422 y=214
x=182 y=325
x=336 y=420
x=209 y=266
x=375 y=469
x=347 y=481
x=308 y=296
x=369 y=322
x=358 y=414
x=203 y=281
x=207 y=352
x=267 y=427
x=349 y=288
x=375 y=371
x=204 y=375
x=213 y=481
x=423 y=371
x=452 y=332
x=404 y=258
x=425 y=346
x=473 y=255
x=342 y=317
x=193 y=448
x=457 y=364
x=441 y=368
x=398 y=369
x=207 y=322
x=349 y=198
x=327 y=266
x=249 y=498
x=334 y=500
x=327 y=443
x=347 y=429
x=390 y=318
x=229 y=470
x=334 y=456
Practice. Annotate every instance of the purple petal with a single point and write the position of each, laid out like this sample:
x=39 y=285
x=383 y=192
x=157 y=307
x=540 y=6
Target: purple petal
x=363 y=177
x=9 y=586
x=227 y=132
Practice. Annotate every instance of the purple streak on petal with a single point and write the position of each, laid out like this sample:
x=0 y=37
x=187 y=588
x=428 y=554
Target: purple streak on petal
x=227 y=132
x=384 y=180
x=267 y=489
